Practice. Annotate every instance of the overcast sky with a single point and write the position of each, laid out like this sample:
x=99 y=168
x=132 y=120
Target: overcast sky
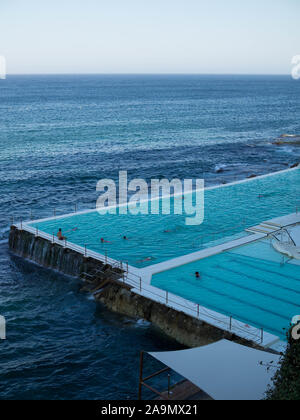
x=149 y=36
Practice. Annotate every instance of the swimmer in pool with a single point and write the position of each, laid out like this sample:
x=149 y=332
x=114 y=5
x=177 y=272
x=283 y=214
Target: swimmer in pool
x=174 y=230
x=125 y=238
x=72 y=230
x=103 y=241
x=60 y=236
x=146 y=260
x=197 y=274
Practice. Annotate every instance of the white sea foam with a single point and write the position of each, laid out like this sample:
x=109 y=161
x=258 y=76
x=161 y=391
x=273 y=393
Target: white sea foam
x=143 y=323
x=221 y=167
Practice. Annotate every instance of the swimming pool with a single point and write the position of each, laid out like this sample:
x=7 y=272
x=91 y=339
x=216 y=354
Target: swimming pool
x=228 y=211
x=249 y=283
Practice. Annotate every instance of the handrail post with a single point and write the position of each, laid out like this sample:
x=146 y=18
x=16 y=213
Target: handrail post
x=85 y=251
x=230 y=325
x=141 y=284
x=53 y=238
x=198 y=310
x=105 y=257
x=167 y=298
x=21 y=224
x=262 y=336
x=37 y=232
x=54 y=212
x=141 y=375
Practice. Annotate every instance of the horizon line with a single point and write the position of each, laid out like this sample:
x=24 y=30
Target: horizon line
x=145 y=74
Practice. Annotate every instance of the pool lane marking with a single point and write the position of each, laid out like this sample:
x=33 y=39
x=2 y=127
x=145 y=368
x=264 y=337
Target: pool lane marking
x=261 y=280
x=278 y=315
x=268 y=271
x=254 y=290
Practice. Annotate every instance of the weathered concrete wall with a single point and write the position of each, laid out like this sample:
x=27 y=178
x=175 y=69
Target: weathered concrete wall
x=50 y=255
x=117 y=297
x=184 y=329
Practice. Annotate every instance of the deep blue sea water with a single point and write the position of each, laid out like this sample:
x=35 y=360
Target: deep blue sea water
x=58 y=136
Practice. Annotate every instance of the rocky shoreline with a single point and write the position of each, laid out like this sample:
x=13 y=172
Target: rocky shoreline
x=288 y=139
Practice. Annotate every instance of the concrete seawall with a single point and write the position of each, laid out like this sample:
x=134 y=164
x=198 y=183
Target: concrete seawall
x=48 y=255
x=104 y=282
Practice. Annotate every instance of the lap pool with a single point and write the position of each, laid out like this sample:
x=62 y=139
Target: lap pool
x=228 y=211
x=253 y=284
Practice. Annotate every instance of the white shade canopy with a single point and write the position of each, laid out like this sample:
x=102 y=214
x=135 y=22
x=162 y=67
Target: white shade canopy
x=224 y=370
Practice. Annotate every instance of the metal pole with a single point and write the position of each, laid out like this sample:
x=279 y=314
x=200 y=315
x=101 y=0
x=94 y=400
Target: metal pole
x=167 y=297
x=65 y=243
x=262 y=335
x=37 y=232
x=198 y=310
x=105 y=257
x=75 y=208
x=230 y=323
x=141 y=284
x=53 y=238
x=141 y=375
x=85 y=251
x=54 y=212
x=169 y=385
x=21 y=224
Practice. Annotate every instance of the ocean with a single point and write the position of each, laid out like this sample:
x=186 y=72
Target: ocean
x=58 y=136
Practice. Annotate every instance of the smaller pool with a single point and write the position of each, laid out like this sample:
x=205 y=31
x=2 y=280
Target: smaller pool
x=250 y=283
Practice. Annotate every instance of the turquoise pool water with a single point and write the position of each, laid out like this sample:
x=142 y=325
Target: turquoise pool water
x=249 y=283
x=228 y=211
